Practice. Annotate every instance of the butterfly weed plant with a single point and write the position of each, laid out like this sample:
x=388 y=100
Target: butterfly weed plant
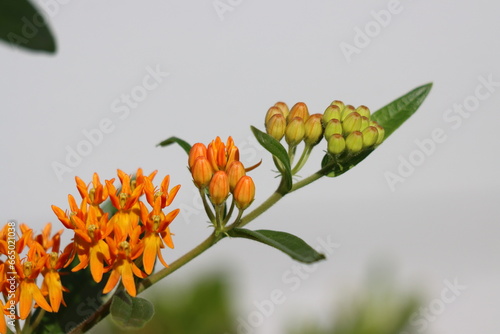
x=121 y=227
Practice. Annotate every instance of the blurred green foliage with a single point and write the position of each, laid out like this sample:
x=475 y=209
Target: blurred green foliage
x=205 y=306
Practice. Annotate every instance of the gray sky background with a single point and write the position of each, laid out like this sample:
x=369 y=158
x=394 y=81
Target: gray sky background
x=221 y=71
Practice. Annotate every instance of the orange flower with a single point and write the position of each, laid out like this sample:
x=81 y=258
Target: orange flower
x=28 y=290
x=221 y=155
x=125 y=201
x=163 y=193
x=156 y=233
x=219 y=188
x=123 y=255
x=92 y=248
x=95 y=195
x=52 y=280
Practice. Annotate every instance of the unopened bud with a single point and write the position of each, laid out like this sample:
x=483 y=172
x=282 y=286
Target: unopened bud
x=313 y=129
x=381 y=133
x=365 y=122
x=235 y=172
x=276 y=126
x=271 y=112
x=283 y=107
x=339 y=104
x=299 y=110
x=348 y=109
x=244 y=192
x=354 y=142
x=336 y=144
x=197 y=150
x=202 y=172
x=219 y=188
x=295 y=131
x=363 y=111
x=334 y=126
x=370 y=136
x=331 y=112
x=351 y=123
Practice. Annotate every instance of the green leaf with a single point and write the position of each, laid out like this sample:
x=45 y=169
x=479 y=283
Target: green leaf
x=288 y=243
x=23 y=25
x=131 y=312
x=277 y=150
x=390 y=118
x=174 y=140
x=398 y=111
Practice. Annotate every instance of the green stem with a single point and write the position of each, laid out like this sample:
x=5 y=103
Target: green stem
x=32 y=325
x=208 y=210
x=303 y=159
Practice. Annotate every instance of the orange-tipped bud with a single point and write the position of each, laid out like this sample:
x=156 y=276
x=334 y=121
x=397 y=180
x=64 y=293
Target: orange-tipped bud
x=197 y=150
x=363 y=111
x=299 y=110
x=313 y=129
x=354 y=142
x=219 y=188
x=283 y=107
x=333 y=111
x=339 y=104
x=333 y=127
x=348 y=109
x=381 y=133
x=202 y=172
x=351 y=123
x=244 y=192
x=275 y=127
x=271 y=112
x=295 y=131
x=365 y=122
x=235 y=172
x=336 y=144
x=370 y=136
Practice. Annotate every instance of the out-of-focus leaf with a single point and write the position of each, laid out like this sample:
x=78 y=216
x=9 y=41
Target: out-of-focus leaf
x=23 y=25
x=174 y=140
x=130 y=312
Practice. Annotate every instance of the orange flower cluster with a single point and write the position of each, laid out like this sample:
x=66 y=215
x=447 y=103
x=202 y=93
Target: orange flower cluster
x=217 y=168
x=113 y=244
x=18 y=275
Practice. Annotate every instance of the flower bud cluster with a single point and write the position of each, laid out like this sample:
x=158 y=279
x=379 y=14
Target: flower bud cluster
x=349 y=129
x=218 y=170
x=346 y=129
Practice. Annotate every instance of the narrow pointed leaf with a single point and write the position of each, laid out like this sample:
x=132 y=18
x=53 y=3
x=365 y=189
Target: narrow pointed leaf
x=398 y=111
x=130 y=312
x=390 y=118
x=174 y=140
x=21 y=24
x=276 y=149
x=288 y=243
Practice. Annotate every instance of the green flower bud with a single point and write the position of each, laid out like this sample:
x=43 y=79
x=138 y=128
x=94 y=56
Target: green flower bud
x=363 y=111
x=295 y=131
x=298 y=110
x=276 y=125
x=271 y=112
x=283 y=107
x=336 y=144
x=365 y=122
x=381 y=133
x=334 y=126
x=370 y=136
x=354 y=142
x=339 y=104
x=330 y=113
x=351 y=123
x=313 y=130
x=348 y=109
